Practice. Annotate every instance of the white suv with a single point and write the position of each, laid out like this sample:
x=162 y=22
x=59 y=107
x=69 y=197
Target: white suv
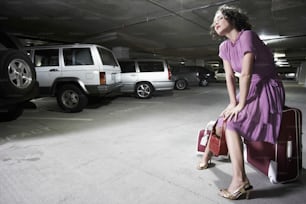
x=144 y=76
x=74 y=72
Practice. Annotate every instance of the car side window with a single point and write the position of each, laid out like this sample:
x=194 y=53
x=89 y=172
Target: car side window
x=107 y=57
x=46 y=57
x=127 y=67
x=221 y=71
x=77 y=56
x=151 y=66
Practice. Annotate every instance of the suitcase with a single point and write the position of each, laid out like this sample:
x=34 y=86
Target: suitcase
x=281 y=162
x=202 y=140
x=203 y=136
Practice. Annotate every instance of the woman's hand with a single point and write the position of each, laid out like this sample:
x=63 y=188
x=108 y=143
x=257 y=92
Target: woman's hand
x=230 y=106
x=231 y=112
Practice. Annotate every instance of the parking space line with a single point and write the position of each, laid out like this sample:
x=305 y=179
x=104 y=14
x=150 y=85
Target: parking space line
x=53 y=118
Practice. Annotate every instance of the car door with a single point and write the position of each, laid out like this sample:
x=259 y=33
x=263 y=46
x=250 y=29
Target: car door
x=47 y=66
x=129 y=75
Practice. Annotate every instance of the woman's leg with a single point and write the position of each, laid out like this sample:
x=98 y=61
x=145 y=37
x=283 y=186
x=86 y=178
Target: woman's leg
x=207 y=153
x=235 y=150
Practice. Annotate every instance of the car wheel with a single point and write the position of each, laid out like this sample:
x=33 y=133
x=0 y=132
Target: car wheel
x=71 y=99
x=144 y=90
x=180 y=84
x=17 y=73
x=204 y=82
x=11 y=112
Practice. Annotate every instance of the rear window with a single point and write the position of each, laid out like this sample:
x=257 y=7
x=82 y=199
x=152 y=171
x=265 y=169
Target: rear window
x=46 y=57
x=77 y=56
x=127 y=67
x=151 y=66
x=107 y=57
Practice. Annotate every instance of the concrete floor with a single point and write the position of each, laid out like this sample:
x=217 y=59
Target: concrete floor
x=126 y=150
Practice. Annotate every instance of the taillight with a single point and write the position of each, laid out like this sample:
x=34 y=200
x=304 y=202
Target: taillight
x=102 y=78
x=169 y=73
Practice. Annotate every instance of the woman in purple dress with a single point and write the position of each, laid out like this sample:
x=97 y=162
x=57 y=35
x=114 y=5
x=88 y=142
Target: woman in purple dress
x=255 y=113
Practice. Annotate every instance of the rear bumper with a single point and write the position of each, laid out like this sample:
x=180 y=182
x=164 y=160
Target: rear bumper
x=102 y=90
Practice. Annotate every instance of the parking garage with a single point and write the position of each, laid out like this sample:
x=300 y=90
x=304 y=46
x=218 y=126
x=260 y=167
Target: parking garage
x=121 y=149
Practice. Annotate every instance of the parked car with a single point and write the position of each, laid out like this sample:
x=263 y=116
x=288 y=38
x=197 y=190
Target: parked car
x=18 y=83
x=220 y=75
x=185 y=76
x=287 y=74
x=74 y=72
x=145 y=76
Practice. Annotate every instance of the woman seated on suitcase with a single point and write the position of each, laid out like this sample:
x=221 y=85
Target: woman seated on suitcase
x=255 y=113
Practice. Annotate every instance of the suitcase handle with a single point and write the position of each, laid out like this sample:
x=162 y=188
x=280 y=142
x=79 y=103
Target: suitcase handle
x=289 y=149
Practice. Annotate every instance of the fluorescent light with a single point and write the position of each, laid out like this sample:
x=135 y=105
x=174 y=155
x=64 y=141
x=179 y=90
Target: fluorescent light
x=282 y=63
x=268 y=37
x=279 y=54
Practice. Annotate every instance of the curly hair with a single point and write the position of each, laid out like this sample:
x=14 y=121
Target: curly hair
x=235 y=17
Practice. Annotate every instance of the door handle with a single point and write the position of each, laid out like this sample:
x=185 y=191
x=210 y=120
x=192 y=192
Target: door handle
x=53 y=70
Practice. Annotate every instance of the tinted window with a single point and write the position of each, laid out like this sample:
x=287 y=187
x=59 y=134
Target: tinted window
x=151 y=66
x=127 y=67
x=221 y=71
x=77 y=56
x=107 y=57
x=48 y=57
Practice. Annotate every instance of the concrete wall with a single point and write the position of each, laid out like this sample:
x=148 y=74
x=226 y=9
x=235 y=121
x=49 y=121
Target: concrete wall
x=121 y=52
x=301 y=78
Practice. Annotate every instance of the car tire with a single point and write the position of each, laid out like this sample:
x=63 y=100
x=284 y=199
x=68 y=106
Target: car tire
x=12 y=112
x=17 y=73
x=71 y=99
x=181 y=84
x=143 y=90
x=204 y=82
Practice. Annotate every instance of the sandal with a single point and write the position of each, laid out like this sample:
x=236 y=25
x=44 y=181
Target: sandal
x=243 y=189
x=203 y=165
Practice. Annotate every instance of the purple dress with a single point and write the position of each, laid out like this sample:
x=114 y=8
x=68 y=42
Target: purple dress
x=261 y=117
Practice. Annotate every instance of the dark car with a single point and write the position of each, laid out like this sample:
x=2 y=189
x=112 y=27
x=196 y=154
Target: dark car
x=185 y=76
x=18 y=83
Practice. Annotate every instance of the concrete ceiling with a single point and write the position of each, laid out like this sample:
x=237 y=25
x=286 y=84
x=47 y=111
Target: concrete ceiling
x=173 y=29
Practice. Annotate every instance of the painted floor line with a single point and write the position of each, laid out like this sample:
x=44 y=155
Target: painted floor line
x=53 y=118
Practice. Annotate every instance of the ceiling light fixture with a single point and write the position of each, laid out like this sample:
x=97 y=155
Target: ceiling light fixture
x=279 y=54
x=268 y=37
x=182 y=62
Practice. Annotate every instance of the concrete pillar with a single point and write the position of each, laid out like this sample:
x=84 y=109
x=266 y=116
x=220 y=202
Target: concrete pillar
x=302 y=74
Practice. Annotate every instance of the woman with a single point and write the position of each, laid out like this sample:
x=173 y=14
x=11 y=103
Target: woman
x=255 y=113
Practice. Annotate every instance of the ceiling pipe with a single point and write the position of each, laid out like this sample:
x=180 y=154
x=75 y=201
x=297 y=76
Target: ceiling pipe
x=170 y=13
x=178 y=13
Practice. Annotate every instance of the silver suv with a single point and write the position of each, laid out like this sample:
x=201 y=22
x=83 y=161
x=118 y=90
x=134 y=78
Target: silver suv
x=145 y=76
x=74 y=72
